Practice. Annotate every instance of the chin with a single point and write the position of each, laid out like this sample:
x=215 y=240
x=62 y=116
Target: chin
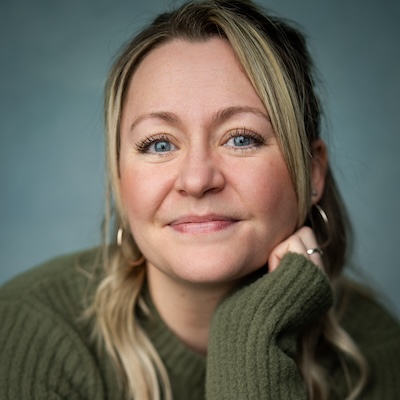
x=214 y=272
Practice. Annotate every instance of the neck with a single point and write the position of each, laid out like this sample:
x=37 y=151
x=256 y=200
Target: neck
x=186 y=308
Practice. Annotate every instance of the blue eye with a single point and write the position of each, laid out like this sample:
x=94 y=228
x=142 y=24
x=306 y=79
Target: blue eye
x=242 y=139
x=158 y=144
x=160 y=147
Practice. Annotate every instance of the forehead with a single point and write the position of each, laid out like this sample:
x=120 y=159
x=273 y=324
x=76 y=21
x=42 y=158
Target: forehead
x=182 y=56
x=191 y=74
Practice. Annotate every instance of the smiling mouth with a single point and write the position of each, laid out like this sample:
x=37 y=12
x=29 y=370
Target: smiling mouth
x=202 y=224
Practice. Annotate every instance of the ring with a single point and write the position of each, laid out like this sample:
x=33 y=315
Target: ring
x=316 y=250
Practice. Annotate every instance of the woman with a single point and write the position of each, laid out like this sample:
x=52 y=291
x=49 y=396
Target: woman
x=225 y=279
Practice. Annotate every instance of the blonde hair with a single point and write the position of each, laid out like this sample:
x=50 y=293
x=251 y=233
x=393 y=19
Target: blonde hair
x=274 y=56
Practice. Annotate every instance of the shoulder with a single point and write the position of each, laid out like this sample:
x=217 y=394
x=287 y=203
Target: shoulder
x=377 y=334
x=367 y=320
x=45 y=349
x=62 y=285
x=62 y=270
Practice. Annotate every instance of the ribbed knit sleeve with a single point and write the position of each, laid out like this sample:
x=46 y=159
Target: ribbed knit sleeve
x=44 y=346
x=41 y=358
x=253 y=334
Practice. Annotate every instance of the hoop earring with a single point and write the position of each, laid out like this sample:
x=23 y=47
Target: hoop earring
x=132 y=263
x=324 y=217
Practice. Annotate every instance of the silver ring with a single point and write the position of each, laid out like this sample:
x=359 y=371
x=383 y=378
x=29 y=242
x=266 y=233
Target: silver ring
x=316 y=250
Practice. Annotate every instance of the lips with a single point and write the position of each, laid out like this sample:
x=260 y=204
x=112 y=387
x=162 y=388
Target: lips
x=195 y=224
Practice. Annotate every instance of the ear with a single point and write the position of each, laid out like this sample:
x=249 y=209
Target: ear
x=319 y=167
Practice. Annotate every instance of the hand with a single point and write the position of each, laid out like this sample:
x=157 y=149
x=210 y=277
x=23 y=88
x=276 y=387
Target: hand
x=299 y=242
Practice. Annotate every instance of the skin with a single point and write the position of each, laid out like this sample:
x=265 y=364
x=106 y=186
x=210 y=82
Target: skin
x=203 y=182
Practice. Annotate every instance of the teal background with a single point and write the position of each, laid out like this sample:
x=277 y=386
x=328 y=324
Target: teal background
x=54 y=57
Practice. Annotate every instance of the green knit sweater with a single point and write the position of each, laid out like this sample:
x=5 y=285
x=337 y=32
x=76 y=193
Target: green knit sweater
x=46 y=351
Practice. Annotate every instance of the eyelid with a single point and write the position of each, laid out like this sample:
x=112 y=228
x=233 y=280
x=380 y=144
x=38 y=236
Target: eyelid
x=143 y=145
x=258 y=138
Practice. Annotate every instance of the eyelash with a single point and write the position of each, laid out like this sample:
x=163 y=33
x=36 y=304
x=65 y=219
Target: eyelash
x=258 y=139
x=143 y=146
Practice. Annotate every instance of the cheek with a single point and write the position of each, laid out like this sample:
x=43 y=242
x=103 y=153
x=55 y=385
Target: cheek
x=134 y=191
x=269 y=191
x=142 y=191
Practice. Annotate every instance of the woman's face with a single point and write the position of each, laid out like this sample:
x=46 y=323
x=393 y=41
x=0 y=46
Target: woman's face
x=203 y=181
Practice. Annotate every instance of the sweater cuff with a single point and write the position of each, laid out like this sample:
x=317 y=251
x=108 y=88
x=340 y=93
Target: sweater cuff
x=290 y=297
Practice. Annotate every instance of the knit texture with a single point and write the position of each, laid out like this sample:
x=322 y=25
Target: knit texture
x=254 y=333
x=46 y=351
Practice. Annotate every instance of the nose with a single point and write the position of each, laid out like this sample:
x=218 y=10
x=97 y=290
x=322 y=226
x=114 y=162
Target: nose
x=200 y=173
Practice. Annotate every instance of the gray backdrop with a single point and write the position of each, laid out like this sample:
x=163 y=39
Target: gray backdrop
x=53 y=63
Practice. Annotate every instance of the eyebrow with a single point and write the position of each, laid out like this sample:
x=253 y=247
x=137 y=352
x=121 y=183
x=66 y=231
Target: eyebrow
x=162 y=115
x=219 y=117
x=229 y=112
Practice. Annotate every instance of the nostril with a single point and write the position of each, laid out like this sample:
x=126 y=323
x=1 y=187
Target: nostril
x=198 y=177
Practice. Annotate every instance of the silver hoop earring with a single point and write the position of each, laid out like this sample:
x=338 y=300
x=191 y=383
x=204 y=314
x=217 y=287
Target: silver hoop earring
x=324 y=217
x=120 y=233
x=132 y=263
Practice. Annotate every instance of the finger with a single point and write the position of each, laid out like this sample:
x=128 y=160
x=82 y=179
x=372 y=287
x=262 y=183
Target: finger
x=293 y=244
x=300 y=242
x=313 y=252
